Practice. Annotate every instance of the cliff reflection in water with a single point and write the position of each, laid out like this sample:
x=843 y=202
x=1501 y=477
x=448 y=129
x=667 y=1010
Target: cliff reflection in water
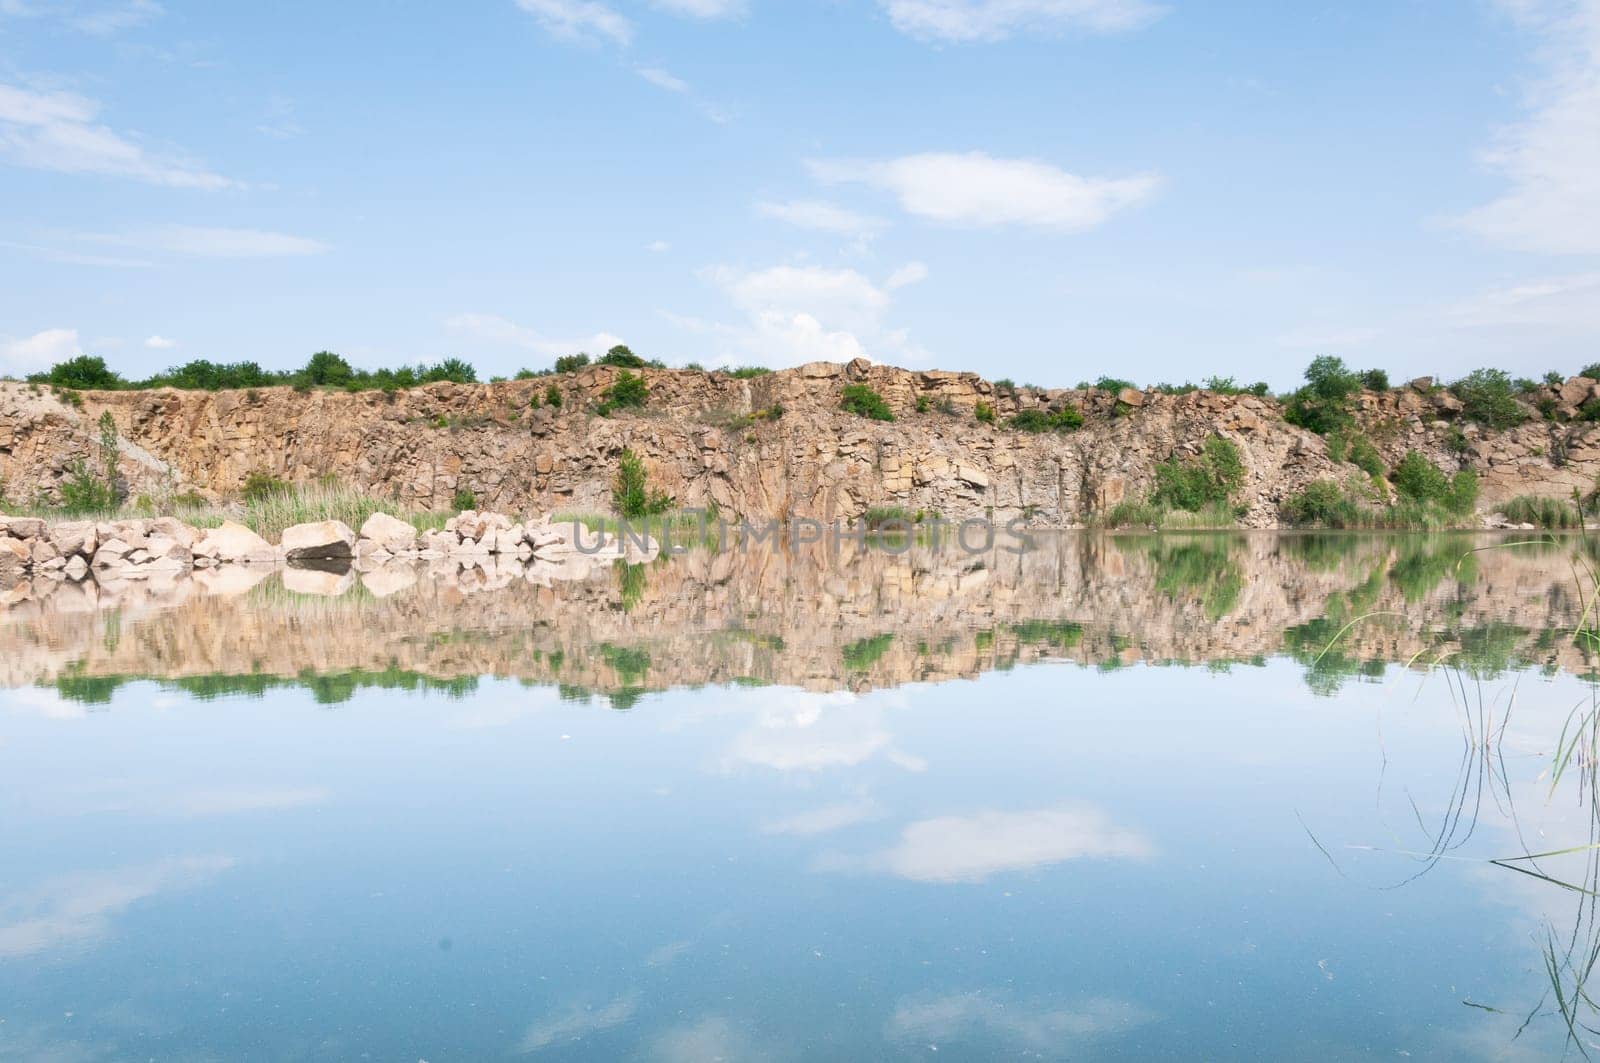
x=856 y=618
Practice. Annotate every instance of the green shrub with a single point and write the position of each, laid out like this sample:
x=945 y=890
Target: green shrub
x=1488 y=397
x=864 y=402
x=924 y=404
x=263 y=485
x=1063 y=420
x=552 y=396
x=453 y=370
x=1592 y=371
x=1357 y=449
x=84 y=491
x=1419 y=480
x=630 y=491
x=1112 y=384
x=1320 y=502
x=1211 y=478
x=1375 y=380
x=622 y=357
x=1225 y=385
x=984 y=412
x=464 y=499
x=1323 y=404
x=745 y=372
x=571 y=363
x=86 y=372
x=1542 y=512
x=628 y=391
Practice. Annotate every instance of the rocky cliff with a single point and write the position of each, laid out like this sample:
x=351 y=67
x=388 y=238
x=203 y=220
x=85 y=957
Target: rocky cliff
x=776 y=445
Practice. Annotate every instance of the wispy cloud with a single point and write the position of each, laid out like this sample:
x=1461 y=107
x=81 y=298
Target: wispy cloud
x=706 y=9
x=1566 y=304
x=972 y=848
x=574 y=1024
x=492 y=328
x=80 y=908
x=822 y=216
x=114 y=18
x=197 y=241
x=964 y=21
x=1031 y=1025
x=159 y=343
x=39 y=351
x=60 y=132
x=662 y=79
x=1552 y=156
x=585 y=20
x=979 y=190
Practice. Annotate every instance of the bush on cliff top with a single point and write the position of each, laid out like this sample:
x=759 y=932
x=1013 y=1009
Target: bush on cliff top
x=864 y=402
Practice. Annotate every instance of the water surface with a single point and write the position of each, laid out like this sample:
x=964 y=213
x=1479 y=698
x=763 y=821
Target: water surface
x=1119 y=797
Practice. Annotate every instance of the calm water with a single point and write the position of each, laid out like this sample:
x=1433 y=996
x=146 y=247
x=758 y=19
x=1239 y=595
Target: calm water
x=1110 y=799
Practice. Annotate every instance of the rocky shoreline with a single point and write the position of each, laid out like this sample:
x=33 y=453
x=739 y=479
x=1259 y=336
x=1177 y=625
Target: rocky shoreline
x=142 y=548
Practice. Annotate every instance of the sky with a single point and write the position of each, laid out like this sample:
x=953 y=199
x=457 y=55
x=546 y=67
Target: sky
x=1045 y=190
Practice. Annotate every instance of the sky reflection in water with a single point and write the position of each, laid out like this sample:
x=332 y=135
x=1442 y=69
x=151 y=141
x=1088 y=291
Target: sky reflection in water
x=1050 y=860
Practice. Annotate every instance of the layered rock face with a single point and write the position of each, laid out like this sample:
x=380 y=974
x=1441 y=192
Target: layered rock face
x=774 y=446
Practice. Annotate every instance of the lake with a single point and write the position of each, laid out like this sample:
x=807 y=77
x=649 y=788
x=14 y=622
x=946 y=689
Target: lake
x=1114 y=797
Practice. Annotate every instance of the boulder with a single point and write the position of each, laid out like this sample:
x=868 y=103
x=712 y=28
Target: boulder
x=15 y=555
x=326 y=540
x=1131 y=397
x=233 y=543
x=112 y=553
x=74 y=537
x=76 y=567
x=22 y=527
x=389 y=533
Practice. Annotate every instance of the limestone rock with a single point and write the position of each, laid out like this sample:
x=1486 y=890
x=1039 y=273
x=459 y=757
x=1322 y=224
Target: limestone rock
x=233 y=543
x=390 y=533
x=326 y=540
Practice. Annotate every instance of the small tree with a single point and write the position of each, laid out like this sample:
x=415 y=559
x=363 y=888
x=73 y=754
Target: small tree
x=628 y=391
x=86 y=372
x=1489 y=398
x=326 y=369
x=571 y=363
x=631 y=496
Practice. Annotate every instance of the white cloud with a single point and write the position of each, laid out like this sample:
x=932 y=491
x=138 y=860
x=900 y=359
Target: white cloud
x=707 y=9
x=994 y=20
x=907 y=275
x=159 y=343
x=491 y=328
x=662 y=79
x=657 y=246
x=195 y=241
x=826 y=217
x=79 y=908
x=972 y=848
x=76 y=258
x=58 y=131
x=39 y=351
x=579 y=19
x=796 y=314
x=1035 y=1026
x=1565 y=304
x=977 y=189
x=1552 y=156
x=574 y=1024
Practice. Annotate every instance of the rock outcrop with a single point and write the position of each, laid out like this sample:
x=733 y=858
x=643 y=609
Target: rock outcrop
x=772 y=446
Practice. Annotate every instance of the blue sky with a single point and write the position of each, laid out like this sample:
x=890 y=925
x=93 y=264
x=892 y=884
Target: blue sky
x=1042 y=189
